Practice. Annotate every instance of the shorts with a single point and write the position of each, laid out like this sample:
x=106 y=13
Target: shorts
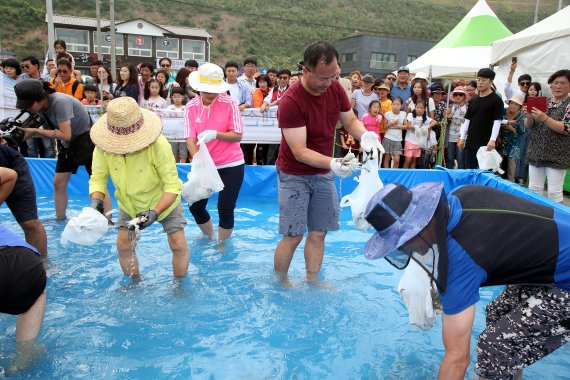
x=180 y=150
x=22 y=279
x=175 y=221
x=22 y=200
x=79 y=152
x=392 y=147
x=524 y=324
x=307 y=201
x=411 y=150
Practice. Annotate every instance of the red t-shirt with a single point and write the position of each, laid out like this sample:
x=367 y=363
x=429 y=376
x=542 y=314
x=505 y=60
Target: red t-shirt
x=297 y=109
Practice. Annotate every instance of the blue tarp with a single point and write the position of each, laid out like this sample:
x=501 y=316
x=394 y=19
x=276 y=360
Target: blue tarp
x=261 y=181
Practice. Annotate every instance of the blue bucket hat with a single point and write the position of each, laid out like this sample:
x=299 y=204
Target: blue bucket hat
x=398 y=214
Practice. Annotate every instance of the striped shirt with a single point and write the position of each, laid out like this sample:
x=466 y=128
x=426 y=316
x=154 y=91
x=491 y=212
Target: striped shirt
x=222 y=115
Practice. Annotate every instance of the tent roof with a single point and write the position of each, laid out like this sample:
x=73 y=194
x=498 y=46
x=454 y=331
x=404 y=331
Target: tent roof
x=466 y=48
x=555 y=26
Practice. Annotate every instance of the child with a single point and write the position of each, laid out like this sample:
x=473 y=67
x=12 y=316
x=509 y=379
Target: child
x=392 y=141
x=385 y=106
x=373 y=119
x=456 y=115
x=162 y=76
x=179 y=149
x=90 y=92
x=418 y=126
x=152 y=99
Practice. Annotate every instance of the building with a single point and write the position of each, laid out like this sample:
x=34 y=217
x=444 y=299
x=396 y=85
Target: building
x=137 y=41
x=378 y=55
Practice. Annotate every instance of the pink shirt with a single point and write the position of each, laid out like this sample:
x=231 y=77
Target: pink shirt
x=372 y=123
x=222 y=115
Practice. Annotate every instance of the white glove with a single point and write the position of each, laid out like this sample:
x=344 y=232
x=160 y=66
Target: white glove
x=343 y=167
x=369 y=143
x=207 y=136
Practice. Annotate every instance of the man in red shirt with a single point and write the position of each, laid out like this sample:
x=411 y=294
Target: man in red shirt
x=307 y=114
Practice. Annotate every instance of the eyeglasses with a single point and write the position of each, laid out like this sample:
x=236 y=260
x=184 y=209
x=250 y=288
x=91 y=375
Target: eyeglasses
x=458 y=94
x=62 y=71
x=524 y=83
x=25 y=66
x=284 y=77
x=163 y=65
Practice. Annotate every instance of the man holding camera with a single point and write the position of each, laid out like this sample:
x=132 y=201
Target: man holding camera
x=69 y=123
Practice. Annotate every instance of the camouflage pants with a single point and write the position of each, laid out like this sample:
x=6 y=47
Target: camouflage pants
x=524 y=324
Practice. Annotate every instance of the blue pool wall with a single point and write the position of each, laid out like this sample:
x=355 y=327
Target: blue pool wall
x=261 y=181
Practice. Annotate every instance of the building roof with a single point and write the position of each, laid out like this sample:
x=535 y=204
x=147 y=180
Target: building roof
x=92 y=22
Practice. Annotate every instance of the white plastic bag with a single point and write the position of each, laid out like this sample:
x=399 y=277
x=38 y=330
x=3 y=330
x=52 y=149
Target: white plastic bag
x=489 y=160
x=204 y=179
x=415 y=290
x=369 y=183
x=86 y=228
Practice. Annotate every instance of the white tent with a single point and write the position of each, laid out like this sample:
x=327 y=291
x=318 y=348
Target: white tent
x=466 y=48
x=541 y=49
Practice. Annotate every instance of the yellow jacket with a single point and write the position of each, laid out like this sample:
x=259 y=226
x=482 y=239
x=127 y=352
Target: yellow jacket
x=139 y=178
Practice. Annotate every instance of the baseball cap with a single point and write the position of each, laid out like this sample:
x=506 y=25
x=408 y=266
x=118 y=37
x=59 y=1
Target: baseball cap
x=28 y=92
x=368 y=78
x=404 y=68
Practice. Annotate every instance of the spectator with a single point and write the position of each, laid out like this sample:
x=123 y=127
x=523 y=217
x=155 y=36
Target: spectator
x=64 y=82
x=131 y=149
x=162 y=77
x=402 y=88
x=392 y=141
x=146 y=71
x=166 y=65
x=390 y=79
x=456 y=117
x=21 y=200
x=372 y=120
x=179 y=149
x=213 y=118
x=93 y=69
x=152 y=99
x=49 y=70
x=239 y=90
x=182 y=82
x=420 y=92
x=263 y=84
x=418 y=125
x=437 y=93
x=295 y=77
x=470 y=90
x=535 y=89
x=12 y=68
x=272 y=74
x=362 y=97
x=482 y=120
x=31 y=67
x=90 y=92
x=550 y=139
x=355 y=80
x=127 y=84
x=249 y=71
x=277 y=92
x=524 y=82
x=191 y=65
x=512 y=133
x=105 y=82
x=60 y=49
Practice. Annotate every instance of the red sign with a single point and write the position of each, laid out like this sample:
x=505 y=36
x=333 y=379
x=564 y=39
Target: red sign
x=139 y=41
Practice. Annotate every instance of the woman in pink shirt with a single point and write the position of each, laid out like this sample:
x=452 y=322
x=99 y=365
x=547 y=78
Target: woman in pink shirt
x=213 y=118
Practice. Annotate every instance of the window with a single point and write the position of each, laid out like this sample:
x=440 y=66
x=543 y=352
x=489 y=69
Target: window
x=106 y=43
x=140 y=46
x=383 y=57
x=75 y=40
x=192 y=49
x=167 y=47
x=411 y=58
x=348 y=57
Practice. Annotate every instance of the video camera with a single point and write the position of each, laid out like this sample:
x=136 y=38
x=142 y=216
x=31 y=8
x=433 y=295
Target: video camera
x=9 y=127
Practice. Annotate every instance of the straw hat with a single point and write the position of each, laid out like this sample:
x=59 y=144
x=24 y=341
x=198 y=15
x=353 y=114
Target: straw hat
x=125 y=128
x=519 y=99
x=208 y=78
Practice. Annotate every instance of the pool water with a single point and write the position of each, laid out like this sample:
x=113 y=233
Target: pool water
x=231 y=318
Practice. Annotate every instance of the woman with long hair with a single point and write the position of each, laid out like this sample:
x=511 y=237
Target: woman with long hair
x=127 y=84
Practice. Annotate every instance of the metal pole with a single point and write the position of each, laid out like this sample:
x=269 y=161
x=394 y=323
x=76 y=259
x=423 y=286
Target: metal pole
x=559 y=5
x=113 y=42
x=98 y=11
x=51 y=30
x=536 y=12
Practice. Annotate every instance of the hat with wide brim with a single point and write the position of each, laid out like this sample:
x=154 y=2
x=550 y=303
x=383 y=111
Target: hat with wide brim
x=208 y=78
x=125 y=128
x=398 y=214
x=420 y=75
x=519 y=99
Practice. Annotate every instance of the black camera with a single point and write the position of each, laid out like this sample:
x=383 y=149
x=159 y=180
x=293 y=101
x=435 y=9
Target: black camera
x=9 y=127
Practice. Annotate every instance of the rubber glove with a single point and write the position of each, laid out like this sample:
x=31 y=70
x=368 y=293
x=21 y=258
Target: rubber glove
x=147 y=218
x=207 y=136
x=97 y=204
x=343 y=167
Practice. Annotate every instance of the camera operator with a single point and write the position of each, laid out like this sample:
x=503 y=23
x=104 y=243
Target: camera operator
x=69 y=123
x=22 y=200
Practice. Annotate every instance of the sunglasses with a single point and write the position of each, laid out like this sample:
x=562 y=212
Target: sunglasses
x=165 y=65
x=524 y=83
x=390 y=78
x=458 y=94
x=284 y=77
x=25 y=66
x=62 y=71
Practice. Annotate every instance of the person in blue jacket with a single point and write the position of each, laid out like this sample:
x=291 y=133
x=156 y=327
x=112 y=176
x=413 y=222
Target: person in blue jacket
x=479 y=236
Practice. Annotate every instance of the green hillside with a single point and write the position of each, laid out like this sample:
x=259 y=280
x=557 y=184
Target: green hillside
x=274 y=32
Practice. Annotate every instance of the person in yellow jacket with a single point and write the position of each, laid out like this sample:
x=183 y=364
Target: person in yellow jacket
x=130 y=148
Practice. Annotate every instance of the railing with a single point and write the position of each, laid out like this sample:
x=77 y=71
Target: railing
x=383 y=65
